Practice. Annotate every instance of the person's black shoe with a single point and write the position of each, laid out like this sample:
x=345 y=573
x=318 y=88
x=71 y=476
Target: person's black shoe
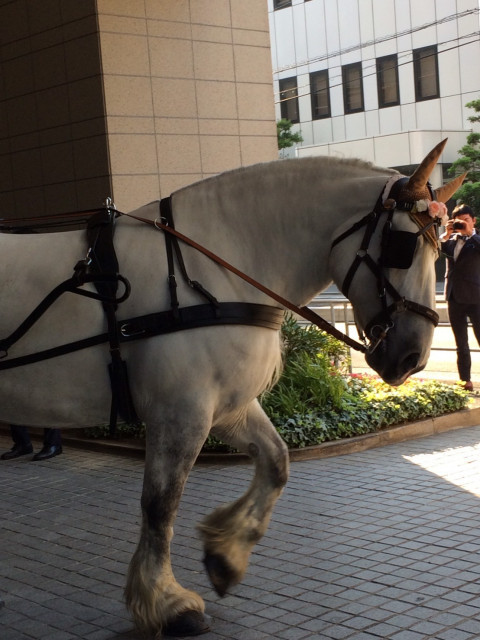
x=48 y=452
x=16 y=451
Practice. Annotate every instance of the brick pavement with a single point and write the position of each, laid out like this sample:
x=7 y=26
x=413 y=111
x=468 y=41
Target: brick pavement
x=379 y=544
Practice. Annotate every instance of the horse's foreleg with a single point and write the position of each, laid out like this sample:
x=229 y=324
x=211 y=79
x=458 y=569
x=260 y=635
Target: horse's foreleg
x=231 y=531
x=156 y=600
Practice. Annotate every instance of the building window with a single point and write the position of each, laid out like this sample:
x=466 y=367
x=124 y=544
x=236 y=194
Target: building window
x=281 y=4
x=319 y=92
x=387 y=81
x=352 y=87
x=425 y=70
x=289 y=99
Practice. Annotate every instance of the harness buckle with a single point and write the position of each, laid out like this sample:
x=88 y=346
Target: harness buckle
x=128 y=333
x=361 y=253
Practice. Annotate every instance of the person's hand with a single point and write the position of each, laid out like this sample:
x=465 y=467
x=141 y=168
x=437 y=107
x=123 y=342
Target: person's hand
x=448 y=230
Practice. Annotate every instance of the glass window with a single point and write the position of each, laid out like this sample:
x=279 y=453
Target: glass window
x=352 y=87
x=425 y=69
x=319 y=92
x=387 y=81
x=289 y=99
x=281 y=4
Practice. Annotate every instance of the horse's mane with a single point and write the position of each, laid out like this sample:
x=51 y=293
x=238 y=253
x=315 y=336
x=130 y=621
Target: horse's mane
x=329 y=167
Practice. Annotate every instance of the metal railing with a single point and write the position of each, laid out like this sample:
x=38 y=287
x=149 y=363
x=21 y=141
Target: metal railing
x=338 y=311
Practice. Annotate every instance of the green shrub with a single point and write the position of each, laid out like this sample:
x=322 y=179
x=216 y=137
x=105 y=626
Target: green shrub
x=316 y=400
x=124 y=430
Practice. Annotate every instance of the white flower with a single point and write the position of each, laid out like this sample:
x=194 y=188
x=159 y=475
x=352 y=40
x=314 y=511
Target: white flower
x=422 y=205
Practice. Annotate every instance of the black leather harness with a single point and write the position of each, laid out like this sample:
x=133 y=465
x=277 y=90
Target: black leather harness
x=396 y=251
x=101 y=268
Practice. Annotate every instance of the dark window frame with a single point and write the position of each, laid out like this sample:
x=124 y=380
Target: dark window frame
x=423 y=53
x=281 y=4
x=383 y=65
x=289 y=108
x=313 y=94
x=347 y=101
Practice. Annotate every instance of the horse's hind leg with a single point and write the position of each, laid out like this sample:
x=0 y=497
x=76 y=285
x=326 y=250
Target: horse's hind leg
x=156 y=600
x=231 y=531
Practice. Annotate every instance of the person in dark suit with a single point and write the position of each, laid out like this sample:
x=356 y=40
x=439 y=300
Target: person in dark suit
x=22 y=445
x=461 y=246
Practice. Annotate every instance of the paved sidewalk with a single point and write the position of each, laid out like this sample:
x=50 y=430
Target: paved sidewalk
x=379 y=544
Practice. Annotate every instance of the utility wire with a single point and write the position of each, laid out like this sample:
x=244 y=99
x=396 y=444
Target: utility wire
x=369 y=43
x=374 y=72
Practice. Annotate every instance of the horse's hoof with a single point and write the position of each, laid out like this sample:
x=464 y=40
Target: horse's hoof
x=188 y=623
x=221 y=575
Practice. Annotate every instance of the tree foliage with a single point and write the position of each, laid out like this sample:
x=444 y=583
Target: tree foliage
x=469 y=193
x=469 y=160
x=285 y=136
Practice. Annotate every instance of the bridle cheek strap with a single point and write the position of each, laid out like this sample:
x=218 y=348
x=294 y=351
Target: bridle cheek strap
x=376 y=330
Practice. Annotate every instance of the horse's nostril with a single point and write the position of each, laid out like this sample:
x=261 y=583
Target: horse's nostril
x=410 y=362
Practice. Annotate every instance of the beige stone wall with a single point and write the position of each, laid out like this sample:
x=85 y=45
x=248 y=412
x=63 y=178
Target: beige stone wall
x=188 y=91
x=130 y=98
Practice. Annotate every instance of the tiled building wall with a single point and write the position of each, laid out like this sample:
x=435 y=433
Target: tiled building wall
x=53 y=145
x=130 y=98
x=188 y=91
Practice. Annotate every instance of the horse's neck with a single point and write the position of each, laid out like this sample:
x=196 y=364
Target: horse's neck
x=279 y=233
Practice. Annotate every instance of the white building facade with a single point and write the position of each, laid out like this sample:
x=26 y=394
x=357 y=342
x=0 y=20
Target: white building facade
x=382 y=80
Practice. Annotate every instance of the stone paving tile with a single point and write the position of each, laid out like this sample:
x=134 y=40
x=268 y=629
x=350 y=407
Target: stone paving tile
x=379 y=544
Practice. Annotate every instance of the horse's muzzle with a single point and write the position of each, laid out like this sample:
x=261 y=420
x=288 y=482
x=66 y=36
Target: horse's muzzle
x=395 y=371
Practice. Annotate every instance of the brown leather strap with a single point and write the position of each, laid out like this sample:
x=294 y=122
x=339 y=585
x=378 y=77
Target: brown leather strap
x=304 y=312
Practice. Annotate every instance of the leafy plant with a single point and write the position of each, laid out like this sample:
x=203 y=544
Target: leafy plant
x=285 y=136
x=470 y=153
x=369 y=405
x=469 y=160
x=317 y=400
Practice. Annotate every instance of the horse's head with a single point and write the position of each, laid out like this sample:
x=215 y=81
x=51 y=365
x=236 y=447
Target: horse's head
x=384 y=264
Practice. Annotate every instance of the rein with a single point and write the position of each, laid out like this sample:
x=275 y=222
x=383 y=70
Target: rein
x=303 y=311
x=377 y=329
x=213 y=313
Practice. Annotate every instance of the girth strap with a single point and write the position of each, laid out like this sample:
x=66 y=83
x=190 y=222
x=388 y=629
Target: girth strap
x=154 y=324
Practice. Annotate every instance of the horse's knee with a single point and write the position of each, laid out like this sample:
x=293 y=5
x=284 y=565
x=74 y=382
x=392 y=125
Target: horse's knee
x=277 y=462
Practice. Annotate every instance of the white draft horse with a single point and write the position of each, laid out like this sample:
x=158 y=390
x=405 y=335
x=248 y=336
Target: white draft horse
x=293 y=225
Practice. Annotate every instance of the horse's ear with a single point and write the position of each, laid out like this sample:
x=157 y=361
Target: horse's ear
x=446 y=192
x=418 y=181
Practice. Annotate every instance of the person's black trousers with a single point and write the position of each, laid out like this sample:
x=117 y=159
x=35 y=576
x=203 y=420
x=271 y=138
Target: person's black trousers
x=21 y=437
x=459 y=314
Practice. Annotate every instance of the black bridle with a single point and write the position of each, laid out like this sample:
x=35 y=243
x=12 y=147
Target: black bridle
x=397 y=251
